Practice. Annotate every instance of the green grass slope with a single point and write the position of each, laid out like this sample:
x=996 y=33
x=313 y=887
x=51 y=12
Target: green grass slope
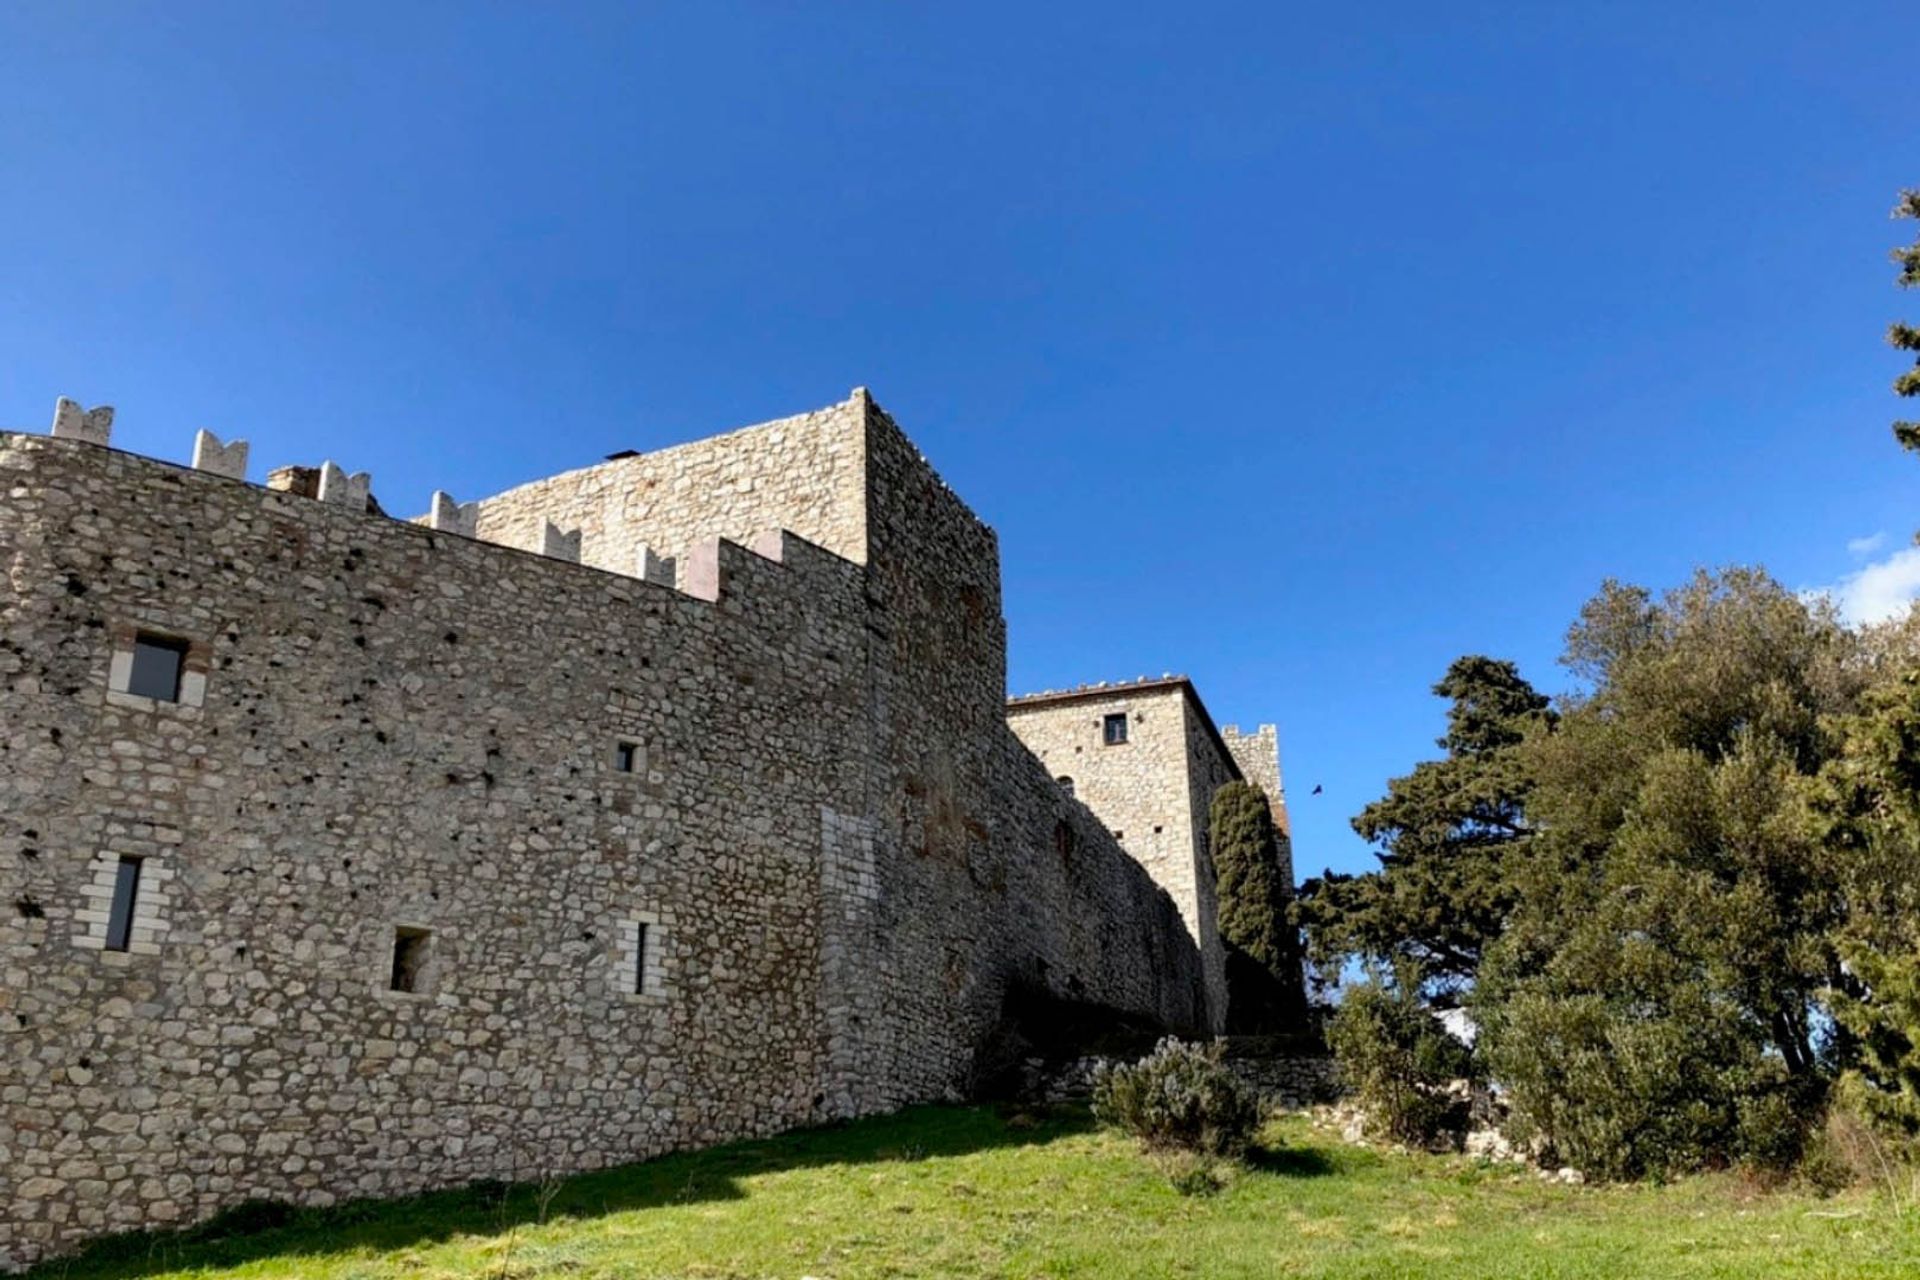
x=972 y=1192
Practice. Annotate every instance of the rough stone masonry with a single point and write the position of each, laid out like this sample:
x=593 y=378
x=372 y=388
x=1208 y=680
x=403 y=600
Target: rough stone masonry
x=657 y=804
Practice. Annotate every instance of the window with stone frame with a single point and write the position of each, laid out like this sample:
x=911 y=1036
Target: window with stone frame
x=126 y=892
x=127 y=896
x=149 y=668
x=158 y=663
x=640 y=957
x=1114 y=729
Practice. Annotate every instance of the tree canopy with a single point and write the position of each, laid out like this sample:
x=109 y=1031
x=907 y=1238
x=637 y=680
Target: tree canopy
x=1444 y=836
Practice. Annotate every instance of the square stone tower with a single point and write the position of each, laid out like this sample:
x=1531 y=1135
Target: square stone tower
x=1145 y=759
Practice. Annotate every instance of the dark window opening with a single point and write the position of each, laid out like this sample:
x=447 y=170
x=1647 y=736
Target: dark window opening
x=640 y=959
x=626 y=757
x=126 y=892
x=1116 y=728
x=157 y=663
x=1063 y=839
x=1066 y=784
x=409 y=959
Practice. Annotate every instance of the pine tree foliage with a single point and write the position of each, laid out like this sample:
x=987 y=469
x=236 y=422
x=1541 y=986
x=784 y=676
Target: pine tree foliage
x=1867 y=810
x=1906 y=337
x=1446 y=835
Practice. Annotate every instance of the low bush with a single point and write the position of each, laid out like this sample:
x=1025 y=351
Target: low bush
x=1400 y=1064
x=1180 y=1097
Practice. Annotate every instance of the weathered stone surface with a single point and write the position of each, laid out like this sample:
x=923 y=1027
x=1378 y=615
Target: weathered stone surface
x=1258 y=755
x=1153 y=789
x=229 y=460
x=841 y=854
x=449 y=516
x=72 y=422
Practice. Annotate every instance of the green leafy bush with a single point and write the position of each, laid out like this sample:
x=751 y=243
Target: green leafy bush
x=1666 y=1082
x=1180 y=1097
x=1399 y=1063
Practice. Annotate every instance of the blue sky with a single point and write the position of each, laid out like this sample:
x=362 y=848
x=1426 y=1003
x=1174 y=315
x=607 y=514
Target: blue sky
x=1298 y=349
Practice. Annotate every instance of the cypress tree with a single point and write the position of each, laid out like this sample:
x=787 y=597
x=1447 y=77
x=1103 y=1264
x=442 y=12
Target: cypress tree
x=1264 y=986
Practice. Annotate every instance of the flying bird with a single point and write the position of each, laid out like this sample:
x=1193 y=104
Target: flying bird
x=1317 y=788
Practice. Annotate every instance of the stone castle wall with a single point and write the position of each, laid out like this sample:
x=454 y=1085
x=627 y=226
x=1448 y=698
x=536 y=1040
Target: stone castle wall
x=805 y=474
x=841 y=856
x=1209 y=767
x=1153 y=791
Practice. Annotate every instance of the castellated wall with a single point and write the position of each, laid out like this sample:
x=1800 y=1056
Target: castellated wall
x=840 y=855
x=806 y=474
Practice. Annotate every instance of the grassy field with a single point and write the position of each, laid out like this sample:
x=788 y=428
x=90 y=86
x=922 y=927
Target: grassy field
x=968 y=1191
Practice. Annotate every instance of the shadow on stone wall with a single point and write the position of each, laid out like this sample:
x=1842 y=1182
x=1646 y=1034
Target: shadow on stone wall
x=271 y=1231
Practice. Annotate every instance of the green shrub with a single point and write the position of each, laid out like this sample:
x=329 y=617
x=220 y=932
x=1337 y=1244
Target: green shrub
x=1399 y=1063
x=1180 y=1097
x=1669 y=1084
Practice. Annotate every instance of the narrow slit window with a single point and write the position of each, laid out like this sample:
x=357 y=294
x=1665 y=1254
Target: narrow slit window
x=158 y=662
x=409 y=959
x=1116 y=728
x=126 y=893
x=640 y=959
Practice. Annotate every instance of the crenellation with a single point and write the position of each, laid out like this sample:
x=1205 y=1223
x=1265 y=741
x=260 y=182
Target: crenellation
x=338 y=488
x=650 y=566
x=89 y=426
x=210 y=455
x=641 y=868
x=699 y=570
x=447 y=516
x=556 y=544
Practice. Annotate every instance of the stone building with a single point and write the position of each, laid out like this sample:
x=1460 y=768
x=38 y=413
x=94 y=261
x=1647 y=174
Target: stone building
x=656 y=804
x=1145 y=758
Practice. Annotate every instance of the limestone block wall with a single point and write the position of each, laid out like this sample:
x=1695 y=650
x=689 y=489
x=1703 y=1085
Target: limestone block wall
x=805 y=474
x=398 y=728
x=1258 y=755
x=1151 y=791
x=805 y=900
x=966 y=826
x=1209 y=767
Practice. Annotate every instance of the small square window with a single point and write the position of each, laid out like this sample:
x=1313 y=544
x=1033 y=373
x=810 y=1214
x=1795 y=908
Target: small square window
x=157 y=665
x=1115 y=728
x=410 y=952
x=626 y=757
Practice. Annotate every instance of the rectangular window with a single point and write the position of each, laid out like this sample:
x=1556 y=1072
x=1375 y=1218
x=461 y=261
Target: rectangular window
x=126 y=892
x=626 y=757
x=640 y=960
x=157 y=664
x=409 y=959
x=1116 y=728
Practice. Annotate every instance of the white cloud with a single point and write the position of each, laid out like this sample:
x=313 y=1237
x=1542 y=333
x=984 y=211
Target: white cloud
x=1879 y=591
x=1866 y=546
